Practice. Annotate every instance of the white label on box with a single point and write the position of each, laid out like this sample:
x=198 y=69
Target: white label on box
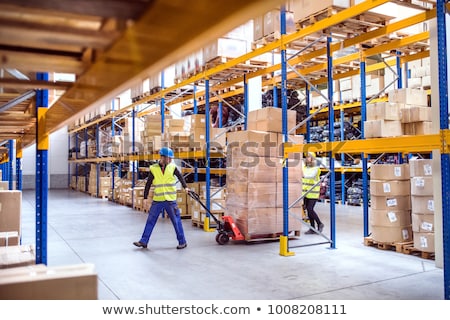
x=398 y=171
x=430 y=205
x=196 y=214
x=392 y=216
x=423 y=242
x=427 y=226
x=427 y=169
x=420 y=182
x=202 y=137
x=391 y=202
x=386 y=187
x=405 y=234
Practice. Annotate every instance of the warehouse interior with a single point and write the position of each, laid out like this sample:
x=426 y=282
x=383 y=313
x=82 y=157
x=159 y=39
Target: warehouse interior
x=241 y=92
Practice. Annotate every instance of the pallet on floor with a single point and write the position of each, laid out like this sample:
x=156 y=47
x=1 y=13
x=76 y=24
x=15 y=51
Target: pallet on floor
x=409 y=249
x=394 y=246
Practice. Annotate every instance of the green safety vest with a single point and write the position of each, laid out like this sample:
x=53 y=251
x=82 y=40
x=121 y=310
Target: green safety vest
x=308 y=183
x=165 y=184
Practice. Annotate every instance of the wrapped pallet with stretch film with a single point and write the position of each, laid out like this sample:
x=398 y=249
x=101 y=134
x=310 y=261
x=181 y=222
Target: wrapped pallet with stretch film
x=254 y=182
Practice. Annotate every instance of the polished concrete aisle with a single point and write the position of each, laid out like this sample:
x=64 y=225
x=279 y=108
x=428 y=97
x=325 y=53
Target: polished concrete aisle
x=83 y=229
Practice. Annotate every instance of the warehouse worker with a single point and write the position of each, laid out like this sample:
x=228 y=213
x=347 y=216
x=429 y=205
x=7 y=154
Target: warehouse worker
x=311 y=190
x=163 y=177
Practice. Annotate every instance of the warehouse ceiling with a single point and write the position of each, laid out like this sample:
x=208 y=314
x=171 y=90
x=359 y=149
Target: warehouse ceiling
x=106 y=44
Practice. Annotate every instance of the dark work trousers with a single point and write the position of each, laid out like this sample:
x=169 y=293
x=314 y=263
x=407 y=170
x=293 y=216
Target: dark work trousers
x=312 y=215
x=174 y=214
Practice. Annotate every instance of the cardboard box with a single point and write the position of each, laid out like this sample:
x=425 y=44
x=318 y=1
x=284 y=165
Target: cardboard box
x=295 y=192
x=269 y=119
x=253 y=143
x=218 y=138
x=10 y=238
x=422 y=186
x=224 y=47
x=422 y=204
x=422 y=222
x=77 y=282
x=408 y=96
x=420 y=167
x=295 y=171
x=194 y=121
x=253 y=195
x=424 y=241
x=251 y=169
x=390 y=202
x=390 y=218
x=382 y=128
x=383 y=111
x=389 y=172
x=305 y=8
x=4 y=185
x=391 y=234
x=418 y=128
x=16 y=256
x=415 y=114
x=10 y=210
x=258 y=28
x=390 y=188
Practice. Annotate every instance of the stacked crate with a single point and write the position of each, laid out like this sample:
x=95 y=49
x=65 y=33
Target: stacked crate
x=195 y=125
x=151 y=134
x=422 y=204
x=254 y=196
x=182 y=203
x=175 y=134
x=104 y=182
x=390 y=212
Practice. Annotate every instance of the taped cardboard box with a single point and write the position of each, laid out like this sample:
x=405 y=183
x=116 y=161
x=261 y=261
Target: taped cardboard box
x=422 y=204
x=390 y=202
x=10 y=210
x=420 y=167
x=75 y=282
x=424 y=241
x=383 y=111
x=16 y=256
x=422 y=222
x=390 y=188
x=390 y=218
x=422 y=186
x=382 y=128
x=390 y=172
x=392 y=234
x=253 y=143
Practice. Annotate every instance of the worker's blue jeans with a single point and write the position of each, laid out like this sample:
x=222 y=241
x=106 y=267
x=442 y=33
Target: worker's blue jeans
x=174 y=214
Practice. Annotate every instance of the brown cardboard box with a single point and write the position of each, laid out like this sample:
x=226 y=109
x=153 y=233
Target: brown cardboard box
x=390 y=203
x=390 y=188
x=252 y=143
x=389 y=172
x=295 y=171
x=251 y=169
x=218 y=138
x=390 y=218
x=420 y=167
x=383 y=111
x=305 y=8
x=10 y=210
x=422 y=222
x=10 y=238
x=422 y=204
x=412 y=114
x=295 y=192
x=4 y=185
x=78 y=282
x=270 y=119
x=408 y=96
x=253 y=195
x=422 y=186
x=418 y=128
x=197 y=138
x=294 y=217
x=382 y=128
x=424 y=241
x=392 y=234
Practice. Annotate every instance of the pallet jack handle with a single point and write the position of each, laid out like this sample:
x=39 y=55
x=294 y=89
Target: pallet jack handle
x=196 y=197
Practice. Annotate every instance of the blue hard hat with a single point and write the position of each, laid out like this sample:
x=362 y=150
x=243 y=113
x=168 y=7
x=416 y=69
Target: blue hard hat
x=167 y=152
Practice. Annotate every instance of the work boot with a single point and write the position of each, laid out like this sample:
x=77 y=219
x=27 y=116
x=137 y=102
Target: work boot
x=310 y=231
x=182 y=246
x=321 y=227
x=140 y=244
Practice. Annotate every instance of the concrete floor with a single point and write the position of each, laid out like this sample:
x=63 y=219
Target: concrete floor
x=83 y=229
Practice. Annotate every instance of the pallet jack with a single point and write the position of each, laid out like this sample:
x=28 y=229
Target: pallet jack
x=226 y=229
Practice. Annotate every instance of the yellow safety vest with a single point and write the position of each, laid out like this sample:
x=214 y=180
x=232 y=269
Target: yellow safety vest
x=308 y=183
x=165 y=184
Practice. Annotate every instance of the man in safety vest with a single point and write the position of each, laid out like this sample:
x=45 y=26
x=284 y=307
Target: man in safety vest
x=311 y=187
x=163 y=177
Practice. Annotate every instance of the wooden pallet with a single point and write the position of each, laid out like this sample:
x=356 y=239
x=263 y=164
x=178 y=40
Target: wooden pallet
x=394 y=246
x=409 y=249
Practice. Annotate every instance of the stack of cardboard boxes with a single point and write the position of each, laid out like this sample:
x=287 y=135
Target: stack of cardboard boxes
x=422 y=204
x=254 y=175
x=104 y=182
x=405 y=113
x=390 y=214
